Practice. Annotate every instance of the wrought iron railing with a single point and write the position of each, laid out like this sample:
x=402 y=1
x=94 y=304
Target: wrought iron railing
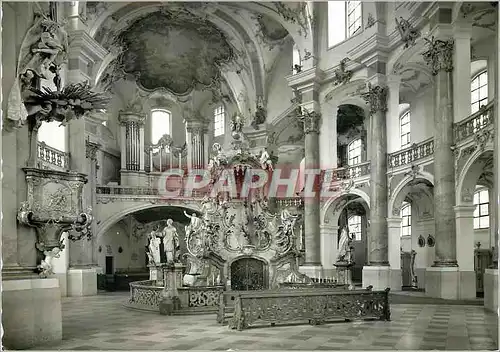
x=145 y=294
x=474 y=123
x=204 y=296
x=411 y=154
x=52 y=156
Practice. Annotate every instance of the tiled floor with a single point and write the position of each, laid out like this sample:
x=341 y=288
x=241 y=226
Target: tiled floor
x=102 y=323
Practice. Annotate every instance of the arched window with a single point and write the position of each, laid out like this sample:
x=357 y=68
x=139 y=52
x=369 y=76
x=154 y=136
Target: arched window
x=482 y=212
x=296 y=61
x=354 y=223
x=344 y=20
x=404 y=123
x=479 y=91
x=354 y=152
x=161 y=124
x=406 y=219
x=219 y=118
x=53 y=134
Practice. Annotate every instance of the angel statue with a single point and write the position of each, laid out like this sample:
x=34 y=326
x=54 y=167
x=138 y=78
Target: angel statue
x=344 y=244
x=265 y=160
x=236 y=123
x=170 y=241
x=45 y=267
x=194 y=225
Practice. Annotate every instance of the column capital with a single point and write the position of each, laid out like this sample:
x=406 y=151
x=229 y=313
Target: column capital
x=82 y=44
x=125 y=117
x=376 y=97
x=439 y=55
x=394 y=222
x=311 y=120
x=91 y=149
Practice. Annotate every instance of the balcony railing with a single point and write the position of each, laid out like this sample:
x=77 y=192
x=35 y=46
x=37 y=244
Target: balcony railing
x=148 y=192
x=51 y=157
x=345 y=173
x=411 y=154
x=474 y=123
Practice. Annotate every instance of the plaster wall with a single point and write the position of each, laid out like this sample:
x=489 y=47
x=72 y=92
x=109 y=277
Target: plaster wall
x=279 y=93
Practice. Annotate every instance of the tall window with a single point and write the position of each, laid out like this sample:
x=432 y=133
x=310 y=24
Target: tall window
x=161 y=124
x=353 y=17
x=344 y=20
x=405 y=130
x=354 y=223
x=481 y=213
x=354 y=152
x=296 y=59
x=52 y=134
x=219 y=115
x=479 y=91
x=406 y=219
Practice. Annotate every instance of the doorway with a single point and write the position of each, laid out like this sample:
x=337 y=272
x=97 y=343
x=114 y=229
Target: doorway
x=483 y=259
x=248 y=274
x=109 y=265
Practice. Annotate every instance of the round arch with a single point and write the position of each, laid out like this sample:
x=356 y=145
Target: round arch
x=398 y=195
x=470 y=174
x=113 y=219
x=335 y=201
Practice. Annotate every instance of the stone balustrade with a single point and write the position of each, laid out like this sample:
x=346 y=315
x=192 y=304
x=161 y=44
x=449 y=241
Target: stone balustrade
x=474 y=123
x=51 y=158
x=408 y=156
x=144 y=192
x=144 y=295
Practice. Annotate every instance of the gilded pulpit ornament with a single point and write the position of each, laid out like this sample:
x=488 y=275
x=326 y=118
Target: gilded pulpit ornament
x=439 y=55
x=408 y=33
x=311 y=120
x=376 y=97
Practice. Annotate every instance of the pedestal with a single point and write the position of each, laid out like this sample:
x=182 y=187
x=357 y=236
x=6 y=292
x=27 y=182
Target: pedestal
x=156 y=274
x=172 y=275
x=491 y=290
x=82 y=282
x=344 y=274
x=377 y=276
x=442 y=282
x=31 y=313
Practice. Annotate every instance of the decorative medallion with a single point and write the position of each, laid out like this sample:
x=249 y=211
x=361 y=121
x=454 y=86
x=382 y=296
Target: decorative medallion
x=431 y=241
x=421 y=241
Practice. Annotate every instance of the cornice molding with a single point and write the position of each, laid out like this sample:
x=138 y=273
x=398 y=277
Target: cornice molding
x=81 y=43
x=305 y=79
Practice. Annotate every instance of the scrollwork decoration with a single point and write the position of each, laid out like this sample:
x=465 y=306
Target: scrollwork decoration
x=311 y=121
x=376 y=97
x=408 y=33
x=439 y=55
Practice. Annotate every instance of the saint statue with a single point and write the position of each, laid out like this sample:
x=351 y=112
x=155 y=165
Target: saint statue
x=344 y=243
x=265 y=160
x=154 y=247
x=194 y=225
x=170 y=241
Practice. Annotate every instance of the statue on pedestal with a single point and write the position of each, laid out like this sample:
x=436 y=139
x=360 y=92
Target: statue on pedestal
x=194 y=225
x=344 y=254
x=154 y=247
x=170 y=241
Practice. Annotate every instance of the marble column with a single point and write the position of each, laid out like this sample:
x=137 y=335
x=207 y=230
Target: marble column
x=442 y=279
x=464 y=215
x=328 y=137
x=311 y=121
x=461 y=77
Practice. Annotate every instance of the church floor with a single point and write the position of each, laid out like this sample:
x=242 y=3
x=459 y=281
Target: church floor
x=102 y=323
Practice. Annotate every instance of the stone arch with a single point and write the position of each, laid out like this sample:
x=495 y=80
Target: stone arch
x=479 y=162
x=335 y=202
x=114 y=218
x=403 y=188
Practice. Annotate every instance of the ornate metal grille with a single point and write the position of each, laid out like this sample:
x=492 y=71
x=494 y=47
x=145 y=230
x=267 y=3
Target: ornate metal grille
x=247 y=274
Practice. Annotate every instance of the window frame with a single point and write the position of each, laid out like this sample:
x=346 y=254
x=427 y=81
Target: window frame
x=401 y=134
x=480 y=102
x=360 y=18
x=346 y=25
x=478 y=208
x=354 y=234
x=163 y=110
x=360 y=152
x=405 y=220
x=222 y=124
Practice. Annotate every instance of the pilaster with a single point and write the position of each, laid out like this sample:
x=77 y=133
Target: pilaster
x=392 y=124
x=328 y=235
x=461 y=75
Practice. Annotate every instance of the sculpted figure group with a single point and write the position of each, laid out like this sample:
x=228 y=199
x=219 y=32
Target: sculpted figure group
x=170 y=239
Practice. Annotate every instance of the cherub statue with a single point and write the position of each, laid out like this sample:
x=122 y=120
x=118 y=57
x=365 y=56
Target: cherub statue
x=45 y=267
x=265 y=160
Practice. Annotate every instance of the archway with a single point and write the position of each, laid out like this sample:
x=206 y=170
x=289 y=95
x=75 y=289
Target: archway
x=248 y=273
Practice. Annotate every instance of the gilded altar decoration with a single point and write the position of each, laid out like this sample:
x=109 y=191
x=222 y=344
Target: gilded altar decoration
x=376 y=97
x=439 y=55
x=408 y=33
x=53 y=206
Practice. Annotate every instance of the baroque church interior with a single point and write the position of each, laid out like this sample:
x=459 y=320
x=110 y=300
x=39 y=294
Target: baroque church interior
x=175 y=173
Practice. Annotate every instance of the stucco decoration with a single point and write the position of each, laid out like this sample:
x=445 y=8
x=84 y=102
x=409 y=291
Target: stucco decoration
x=376 y=98
x=439 y=55
x=269 y=28
x=296 y=13
x=408 y=33
x=175 y=50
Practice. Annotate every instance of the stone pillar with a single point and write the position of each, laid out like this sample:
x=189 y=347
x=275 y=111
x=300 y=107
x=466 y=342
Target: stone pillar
x=442 y=279
x=377 y=273
x=329 y=249
x=328 y=138
x=392 y=124
x=461 y=76
x=132 y=147
x=464 y=215
x=91 y=149
x=394 y=232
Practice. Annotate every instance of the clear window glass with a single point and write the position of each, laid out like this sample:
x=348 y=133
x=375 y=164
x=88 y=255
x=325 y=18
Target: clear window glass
x=354 y=152
x=353 y=17
x=405 y=130
x=161 y=121
x=354 y=223
x=479 y=91
x=482 y=211
x=406 y=219
x=219 y=118
x=53 y=134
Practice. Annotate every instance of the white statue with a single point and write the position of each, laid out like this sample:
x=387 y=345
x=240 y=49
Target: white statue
x=194 y=225
x=343 y=246
x=45 y=266
x=154 y=247
x=265 y=160
x=170 y=241
x=236 y=123
x=209 y=208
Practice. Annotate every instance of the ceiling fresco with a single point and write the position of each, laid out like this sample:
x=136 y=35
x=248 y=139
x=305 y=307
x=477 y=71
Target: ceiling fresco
x=175 y=50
